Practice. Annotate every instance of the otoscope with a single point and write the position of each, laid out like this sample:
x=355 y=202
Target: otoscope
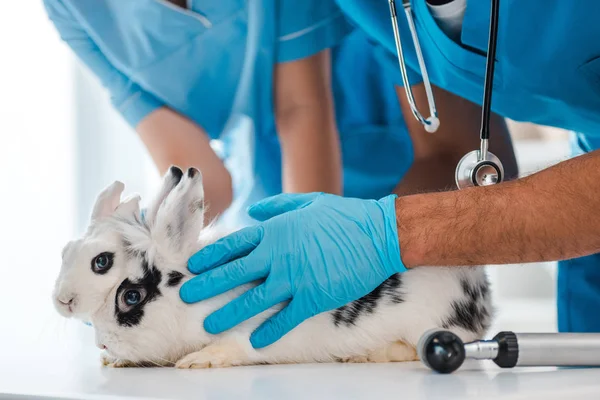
x=444 y=352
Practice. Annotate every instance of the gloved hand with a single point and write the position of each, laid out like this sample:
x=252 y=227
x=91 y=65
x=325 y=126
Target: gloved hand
x=318 y=250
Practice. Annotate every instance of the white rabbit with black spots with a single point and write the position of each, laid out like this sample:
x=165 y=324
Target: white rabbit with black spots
x=123 y=276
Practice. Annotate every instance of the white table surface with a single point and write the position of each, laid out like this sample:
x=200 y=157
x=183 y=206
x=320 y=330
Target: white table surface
x=54 y=358
x=343 y=381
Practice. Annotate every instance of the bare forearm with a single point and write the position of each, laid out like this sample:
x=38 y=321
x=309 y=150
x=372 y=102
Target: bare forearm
x=549 y=216
x=172 y=139
x=310 y=152
x=310 y=149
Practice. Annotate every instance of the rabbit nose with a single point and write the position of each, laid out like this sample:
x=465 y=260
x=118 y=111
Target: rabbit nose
x=66 y=302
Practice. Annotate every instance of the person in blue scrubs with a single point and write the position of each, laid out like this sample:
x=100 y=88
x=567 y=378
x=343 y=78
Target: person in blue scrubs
x=547 y=72
x=263 y=97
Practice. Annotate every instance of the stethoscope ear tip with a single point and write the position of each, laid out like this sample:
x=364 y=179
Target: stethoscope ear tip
x=433 y=124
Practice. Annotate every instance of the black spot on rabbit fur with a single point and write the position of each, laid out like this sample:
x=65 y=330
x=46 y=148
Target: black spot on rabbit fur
x=149 y=283
x=474 y=292
x=470 y=312
x=196 y=205
x=389 y=290
x=175 y=278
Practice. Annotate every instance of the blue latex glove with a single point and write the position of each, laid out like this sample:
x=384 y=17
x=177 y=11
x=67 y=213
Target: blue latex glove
x=318 y=250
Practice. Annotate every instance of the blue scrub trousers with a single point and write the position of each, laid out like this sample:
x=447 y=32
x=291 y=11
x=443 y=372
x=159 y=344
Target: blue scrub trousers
x=578 y=297
x=578 y=291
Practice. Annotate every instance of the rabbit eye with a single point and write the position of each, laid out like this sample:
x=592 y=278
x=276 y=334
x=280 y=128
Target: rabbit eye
x=132 y=297
x=102 y=263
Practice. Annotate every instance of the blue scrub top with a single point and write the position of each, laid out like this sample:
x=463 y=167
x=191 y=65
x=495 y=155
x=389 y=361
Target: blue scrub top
x=548 y=57
x=214 y=64
x=547 y=72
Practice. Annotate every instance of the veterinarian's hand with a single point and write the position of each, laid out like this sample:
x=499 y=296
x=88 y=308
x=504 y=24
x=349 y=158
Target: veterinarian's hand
x=318 y=250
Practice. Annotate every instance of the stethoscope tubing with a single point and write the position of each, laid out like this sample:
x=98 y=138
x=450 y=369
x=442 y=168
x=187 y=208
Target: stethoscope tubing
x=430 y=124
x=489 y=71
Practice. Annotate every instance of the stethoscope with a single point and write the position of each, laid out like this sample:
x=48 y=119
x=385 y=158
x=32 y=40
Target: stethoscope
x=479 y=167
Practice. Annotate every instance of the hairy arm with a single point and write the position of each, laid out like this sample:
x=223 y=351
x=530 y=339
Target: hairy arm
x=437 y=154
x=305 y=116
x=173 y=139
x=548 y=216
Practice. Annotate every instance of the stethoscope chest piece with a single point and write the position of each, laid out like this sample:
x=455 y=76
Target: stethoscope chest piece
x=473 y=170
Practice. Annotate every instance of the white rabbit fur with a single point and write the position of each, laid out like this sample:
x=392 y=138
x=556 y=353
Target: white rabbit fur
x=162 y=330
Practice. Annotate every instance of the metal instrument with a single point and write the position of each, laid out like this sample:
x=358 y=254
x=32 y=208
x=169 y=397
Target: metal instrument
x=444 y=352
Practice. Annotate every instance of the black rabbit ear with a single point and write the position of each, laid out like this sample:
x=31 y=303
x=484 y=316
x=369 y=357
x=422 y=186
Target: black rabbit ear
x=108 y=201
x=170 y=180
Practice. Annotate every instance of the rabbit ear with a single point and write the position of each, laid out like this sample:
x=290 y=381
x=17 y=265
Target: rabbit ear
x=129 y=206
x=108 y=201
x=169 y=182
x=180 y=217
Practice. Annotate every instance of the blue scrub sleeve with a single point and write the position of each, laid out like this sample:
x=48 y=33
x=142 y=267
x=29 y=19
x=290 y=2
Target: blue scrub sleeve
x=307 y=27
x=130 y=100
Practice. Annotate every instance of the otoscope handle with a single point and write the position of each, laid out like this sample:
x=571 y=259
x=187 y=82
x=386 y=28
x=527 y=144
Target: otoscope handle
x=443 y=351
x=556 y=349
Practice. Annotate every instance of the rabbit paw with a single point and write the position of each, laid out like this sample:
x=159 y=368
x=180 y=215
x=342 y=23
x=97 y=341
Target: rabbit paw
x=112 y=362
x=215 y=356
x=394 y=352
